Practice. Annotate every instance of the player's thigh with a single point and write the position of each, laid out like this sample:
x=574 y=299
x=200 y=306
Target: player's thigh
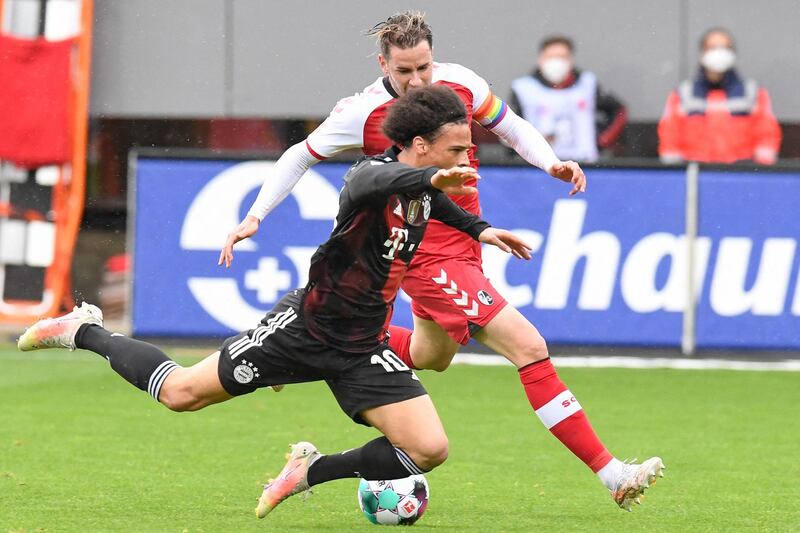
x=512 y=335
x=413 y=426
x=194 y=387
x=431 y=346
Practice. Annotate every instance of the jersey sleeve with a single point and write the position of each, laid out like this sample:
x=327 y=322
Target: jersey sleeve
x=445 y=210
x=491 y=112
x=525 y=139
x=494 y=114
x=487 y=108
x=286 y=172
x=342 y=130
x=373 y=180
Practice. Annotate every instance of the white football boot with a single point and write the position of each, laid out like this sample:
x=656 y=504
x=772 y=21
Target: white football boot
x=59 y=332
x=634 y=479
x=292 y=480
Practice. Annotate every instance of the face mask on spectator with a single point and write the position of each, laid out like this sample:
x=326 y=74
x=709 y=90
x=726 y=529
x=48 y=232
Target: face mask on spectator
x=718 y=59
x=556 y=70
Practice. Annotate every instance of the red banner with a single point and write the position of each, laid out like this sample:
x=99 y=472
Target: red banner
x=34 y=96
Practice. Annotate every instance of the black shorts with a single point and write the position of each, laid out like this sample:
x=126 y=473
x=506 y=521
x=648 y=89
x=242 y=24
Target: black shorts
x=281 y=351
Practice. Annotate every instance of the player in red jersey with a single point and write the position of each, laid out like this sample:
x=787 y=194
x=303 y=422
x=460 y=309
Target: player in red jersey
x=452 y=300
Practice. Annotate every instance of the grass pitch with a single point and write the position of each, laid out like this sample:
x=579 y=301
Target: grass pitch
x=82 y=450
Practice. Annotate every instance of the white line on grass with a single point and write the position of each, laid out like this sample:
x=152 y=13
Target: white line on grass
x=598 y=361
x=564 y=361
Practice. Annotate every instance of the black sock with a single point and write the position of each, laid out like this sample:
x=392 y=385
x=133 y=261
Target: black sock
x=141 y=364
x=377 y=459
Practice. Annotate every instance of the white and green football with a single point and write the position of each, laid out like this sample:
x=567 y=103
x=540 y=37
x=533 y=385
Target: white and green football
x=394 y=502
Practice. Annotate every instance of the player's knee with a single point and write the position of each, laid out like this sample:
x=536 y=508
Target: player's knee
x=535 y=349
x=440 y=365
x=433 y=453
x=174 y=401
x=178 y=397
x=436 y=358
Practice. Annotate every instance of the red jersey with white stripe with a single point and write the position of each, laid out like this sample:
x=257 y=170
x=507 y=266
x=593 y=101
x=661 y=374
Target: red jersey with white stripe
x=355 y=122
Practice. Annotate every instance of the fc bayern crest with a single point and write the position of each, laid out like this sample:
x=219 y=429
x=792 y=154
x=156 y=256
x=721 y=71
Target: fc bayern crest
x=243 y=374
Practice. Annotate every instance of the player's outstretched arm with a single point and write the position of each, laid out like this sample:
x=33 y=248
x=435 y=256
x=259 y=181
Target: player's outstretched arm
x=506 y=241
x=451 y=180
x=526 y=140
x=286 y=172
x=374 y=180
x=371 y=179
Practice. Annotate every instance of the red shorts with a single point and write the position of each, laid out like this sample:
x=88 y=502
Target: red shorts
x=455 y=294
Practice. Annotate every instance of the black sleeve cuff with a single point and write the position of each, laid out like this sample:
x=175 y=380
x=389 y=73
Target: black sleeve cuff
x=477 y=228
x=428 y=175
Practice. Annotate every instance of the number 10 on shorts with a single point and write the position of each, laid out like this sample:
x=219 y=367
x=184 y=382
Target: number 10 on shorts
x=389 y=361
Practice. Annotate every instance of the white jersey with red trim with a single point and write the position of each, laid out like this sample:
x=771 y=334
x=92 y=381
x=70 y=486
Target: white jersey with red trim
x=355 y=122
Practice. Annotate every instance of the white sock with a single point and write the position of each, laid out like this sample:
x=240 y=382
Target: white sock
x=610 y=473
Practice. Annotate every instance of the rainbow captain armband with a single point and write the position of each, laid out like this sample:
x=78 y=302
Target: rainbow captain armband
x=491 y=111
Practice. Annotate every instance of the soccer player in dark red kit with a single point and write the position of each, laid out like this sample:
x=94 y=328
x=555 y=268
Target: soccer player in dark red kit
x=452 y=300
x=334 y=329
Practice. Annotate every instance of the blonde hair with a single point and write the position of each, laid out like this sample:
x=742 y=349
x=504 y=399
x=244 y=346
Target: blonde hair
x=403 y=30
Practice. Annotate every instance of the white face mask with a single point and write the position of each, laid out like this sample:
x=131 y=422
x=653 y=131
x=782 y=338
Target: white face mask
x=718 y=60
x=556 y=70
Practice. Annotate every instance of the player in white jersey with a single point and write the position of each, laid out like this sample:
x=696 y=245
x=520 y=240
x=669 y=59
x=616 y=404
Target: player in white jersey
x=445 y=261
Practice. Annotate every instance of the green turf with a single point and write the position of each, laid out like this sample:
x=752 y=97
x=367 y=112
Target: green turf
x=81 y=450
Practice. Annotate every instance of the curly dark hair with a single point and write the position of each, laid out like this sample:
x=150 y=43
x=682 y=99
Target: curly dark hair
x=422 y=113
x=403 y=30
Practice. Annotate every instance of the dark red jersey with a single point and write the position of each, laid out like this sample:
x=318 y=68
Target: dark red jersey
x=354 y=277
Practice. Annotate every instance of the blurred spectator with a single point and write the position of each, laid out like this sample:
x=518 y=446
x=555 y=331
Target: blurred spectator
x=718 y=117
x=567 y=105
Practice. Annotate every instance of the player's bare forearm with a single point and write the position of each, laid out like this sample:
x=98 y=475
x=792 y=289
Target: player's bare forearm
x=247 y=228
x=506 y=241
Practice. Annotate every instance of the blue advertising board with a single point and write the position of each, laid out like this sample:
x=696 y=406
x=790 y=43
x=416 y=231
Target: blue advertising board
x=609 y=267
x=749 y=229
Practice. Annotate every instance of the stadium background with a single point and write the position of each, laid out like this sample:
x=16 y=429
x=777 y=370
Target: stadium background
x=196 y=87
x=232 y=80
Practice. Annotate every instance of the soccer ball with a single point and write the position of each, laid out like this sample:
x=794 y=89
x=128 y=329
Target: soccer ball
x=395 y=501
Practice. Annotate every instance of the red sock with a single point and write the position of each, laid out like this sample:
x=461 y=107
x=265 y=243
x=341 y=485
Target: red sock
x=400 y=342
x=561 y=413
